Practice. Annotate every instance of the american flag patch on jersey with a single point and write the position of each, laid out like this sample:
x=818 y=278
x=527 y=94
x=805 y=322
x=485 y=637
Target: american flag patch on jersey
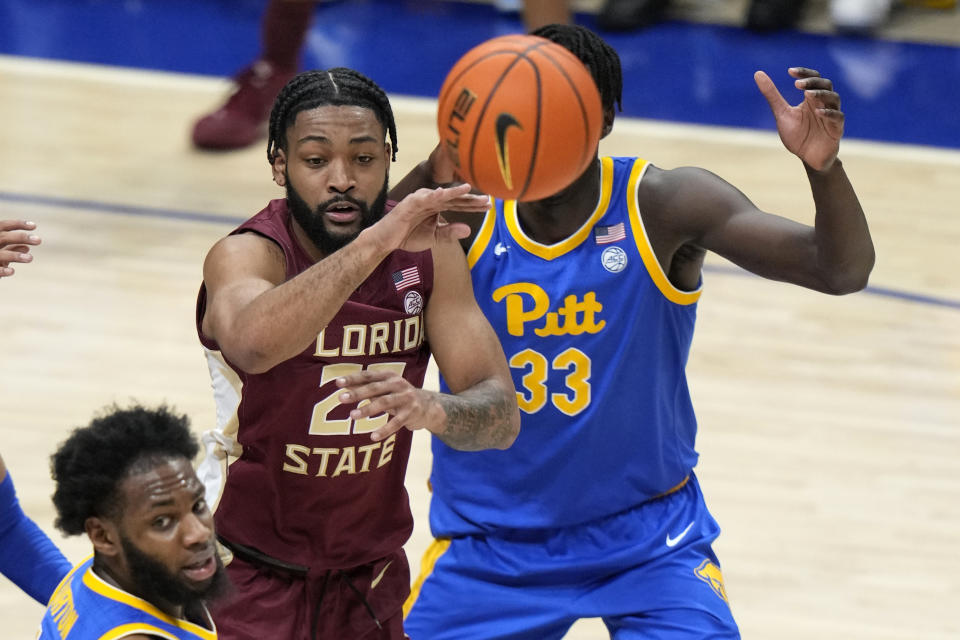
x=605 y=235
x=406 y=278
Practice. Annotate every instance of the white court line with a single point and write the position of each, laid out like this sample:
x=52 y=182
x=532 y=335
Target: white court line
x=659 y=129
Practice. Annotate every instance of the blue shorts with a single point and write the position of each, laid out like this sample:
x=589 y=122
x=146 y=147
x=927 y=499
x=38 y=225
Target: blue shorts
x=648 y=573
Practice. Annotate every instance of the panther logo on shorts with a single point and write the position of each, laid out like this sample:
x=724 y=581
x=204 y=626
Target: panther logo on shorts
x=710 y=573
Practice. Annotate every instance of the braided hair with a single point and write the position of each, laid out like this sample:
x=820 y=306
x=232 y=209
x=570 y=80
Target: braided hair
x=335 y=87
x=598 y=56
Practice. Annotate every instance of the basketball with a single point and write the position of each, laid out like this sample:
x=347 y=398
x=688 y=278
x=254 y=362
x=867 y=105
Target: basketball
x=520 y=116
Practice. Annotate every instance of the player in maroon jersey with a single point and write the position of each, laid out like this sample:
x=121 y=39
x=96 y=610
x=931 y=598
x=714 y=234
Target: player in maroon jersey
x=319 y=315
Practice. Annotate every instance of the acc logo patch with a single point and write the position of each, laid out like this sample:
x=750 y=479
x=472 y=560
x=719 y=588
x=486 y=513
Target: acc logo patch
x=413 y=302
x=614 y=259
x=710 y=573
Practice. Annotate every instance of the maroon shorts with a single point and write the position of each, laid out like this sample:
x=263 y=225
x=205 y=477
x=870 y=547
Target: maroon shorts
x=364 y=602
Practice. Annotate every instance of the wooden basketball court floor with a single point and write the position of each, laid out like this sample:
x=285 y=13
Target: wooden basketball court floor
x=829 y=427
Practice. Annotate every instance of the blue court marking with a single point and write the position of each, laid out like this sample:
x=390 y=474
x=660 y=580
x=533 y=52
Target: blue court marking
x=193 y=216
x=902 y=92
x=885 y=292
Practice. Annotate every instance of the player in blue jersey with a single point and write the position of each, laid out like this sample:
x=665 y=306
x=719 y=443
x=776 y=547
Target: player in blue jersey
x=595 y=511
x=126 y=481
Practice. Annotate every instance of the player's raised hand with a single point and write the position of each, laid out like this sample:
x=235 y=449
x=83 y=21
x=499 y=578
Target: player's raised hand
x=16 y=238
x=415 y=224
x=812 y=129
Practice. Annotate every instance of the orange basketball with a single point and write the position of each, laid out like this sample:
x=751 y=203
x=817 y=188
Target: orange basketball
x=521 y=117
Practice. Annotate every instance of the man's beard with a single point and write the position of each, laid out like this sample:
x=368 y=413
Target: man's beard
x=154 y=583
x=312 y=220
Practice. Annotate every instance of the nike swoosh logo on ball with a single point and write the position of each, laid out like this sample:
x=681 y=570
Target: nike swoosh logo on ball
x=504 y=121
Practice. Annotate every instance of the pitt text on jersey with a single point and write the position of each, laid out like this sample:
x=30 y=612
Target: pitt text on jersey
x=528 y=304
x=357 y=340
x=566 y=320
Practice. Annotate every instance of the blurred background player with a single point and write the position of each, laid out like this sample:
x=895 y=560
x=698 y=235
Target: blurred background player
x=241 y=120
x=761 y=15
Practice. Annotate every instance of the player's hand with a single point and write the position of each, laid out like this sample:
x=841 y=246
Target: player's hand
x=415 y=224
x=382 y=391
x=812 y=129
x=16 y=238
x=443 y=169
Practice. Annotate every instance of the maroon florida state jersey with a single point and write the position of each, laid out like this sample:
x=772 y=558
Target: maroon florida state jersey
x=304 y=483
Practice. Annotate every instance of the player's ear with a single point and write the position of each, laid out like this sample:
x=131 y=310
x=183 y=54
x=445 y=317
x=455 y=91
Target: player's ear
x=103 y=535
x=279 y=167
x=387 y=151
x=608 y=116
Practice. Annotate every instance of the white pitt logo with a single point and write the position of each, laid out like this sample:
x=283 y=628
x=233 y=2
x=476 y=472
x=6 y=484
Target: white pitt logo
x=672 y=542
x=500 y=249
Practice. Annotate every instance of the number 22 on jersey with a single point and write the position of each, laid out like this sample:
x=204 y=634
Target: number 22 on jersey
x=322 y=425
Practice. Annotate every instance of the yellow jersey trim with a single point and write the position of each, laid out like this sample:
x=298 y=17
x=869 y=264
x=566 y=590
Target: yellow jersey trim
x=137 y=627
x=483 y=236
x=98 y=585
x=436 y=549
x=549 y=252
x=670 y=292
x=69 y=575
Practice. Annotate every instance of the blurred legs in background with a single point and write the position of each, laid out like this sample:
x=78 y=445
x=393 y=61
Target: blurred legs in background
x=241 y=121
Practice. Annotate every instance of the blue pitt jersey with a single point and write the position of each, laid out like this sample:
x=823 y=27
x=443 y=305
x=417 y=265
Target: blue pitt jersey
x=597 y=340
x=85 y=607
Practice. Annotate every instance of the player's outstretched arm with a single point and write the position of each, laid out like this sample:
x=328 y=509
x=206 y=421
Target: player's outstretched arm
x=27 y=556
x=249 y=297
x=16 y=238
x=481 y=410
x=844 y=252
x=834 y=256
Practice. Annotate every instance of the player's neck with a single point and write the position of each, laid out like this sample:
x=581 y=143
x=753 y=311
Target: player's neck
x=305 y=242
x=558 y=217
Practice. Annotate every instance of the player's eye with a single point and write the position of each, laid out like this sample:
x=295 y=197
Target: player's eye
x=364 y=159
x=200 y=506
x=316 y=162
x=162 y=522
